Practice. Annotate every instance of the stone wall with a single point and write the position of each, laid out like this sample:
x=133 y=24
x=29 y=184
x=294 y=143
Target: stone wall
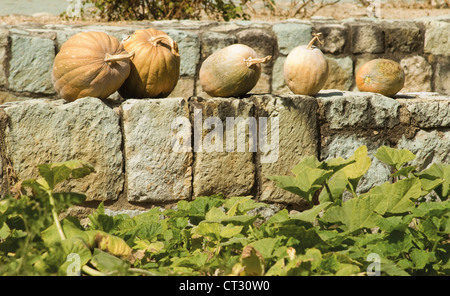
x=131 y=143
x=421 y=46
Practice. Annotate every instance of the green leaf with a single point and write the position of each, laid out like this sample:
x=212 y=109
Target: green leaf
x=361 y=163
x=252 y=261
x=266 y=246
x=354 y=214
x=438 y=171
x=335 y=187
x=310 y=215
x=215 y=214
x=394 y=157
x=405 y=171
x=420 y=258
x=108 y=263
x=229 y=231
x=398 y=197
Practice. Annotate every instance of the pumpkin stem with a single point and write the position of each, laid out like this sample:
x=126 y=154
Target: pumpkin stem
x=251 y=61
x=167 y=40
x=316 y=37
x=118 y=57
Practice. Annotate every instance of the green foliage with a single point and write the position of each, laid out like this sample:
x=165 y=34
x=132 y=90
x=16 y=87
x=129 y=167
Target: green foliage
x=175 y=9
x=222 y=236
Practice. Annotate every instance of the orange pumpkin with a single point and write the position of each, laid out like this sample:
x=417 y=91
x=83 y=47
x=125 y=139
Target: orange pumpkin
x=381 y=76
x=90 y=64
x=306 y=69
x=231 y=71
x=155 y=69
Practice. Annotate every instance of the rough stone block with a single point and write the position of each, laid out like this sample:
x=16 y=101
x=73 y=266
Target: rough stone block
x=340 y=74
x=4 y=46
x=155 y=170
x=428 y=111
x=442 y=75
x=429 y=147
x=189 y=48
x=291 y=35
x=223 y=159
x=418 y=74
x=367 y=38
x=363 y=110
x=437 y=38
x=212 y=41
x=31 y=64
x=262 y=41
x=278 y=83
x=184 y=88
x=334 y=37
x=291 y=134
x=404 y=37
x=44 y=131
x=345 y=145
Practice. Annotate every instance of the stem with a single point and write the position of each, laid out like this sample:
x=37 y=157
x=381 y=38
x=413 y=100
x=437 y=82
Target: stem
x=118 y=57
x=55 y=216
x=91 y=271
x=251 y=61
x=167 y=40
x=315 y=38
x=139 y=270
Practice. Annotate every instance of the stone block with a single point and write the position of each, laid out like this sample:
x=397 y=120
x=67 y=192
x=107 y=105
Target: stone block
x=262 y=41
x=45 y=131
x=437 y=38
x=428 y=111
x=4 y=47
x=334 y=37
x=404 y=37
x=442 y=75
x=291 y=134
x=291 y=35
x=278 y=83
x=31 y=64
x=340 y=74
x=367 y=38
x=223 y=158
x=418 y=73
x=184 y=88
x=212 y=41
x=428 y=146
x=155 y=170
x=358 y=110
x=189 y=49
x=345 y=145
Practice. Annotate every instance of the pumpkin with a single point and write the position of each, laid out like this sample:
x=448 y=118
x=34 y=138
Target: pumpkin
x=90 y=64
x=231 y=71
x=155 y=69
x=306 y=68
x=381 y=76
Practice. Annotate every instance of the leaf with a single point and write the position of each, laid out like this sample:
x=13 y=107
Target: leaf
x=361 y=164
x=230 y=231
x=252 y=261
x=215 y=214
x=266 y=246
x=112 y=244
x=394 y=157
x=438 y=171
x=108 y=263
x=397 y=198
x=334 y=188
x=354 y=214
x=420 y=258
x=310 y=215
x=405 y=171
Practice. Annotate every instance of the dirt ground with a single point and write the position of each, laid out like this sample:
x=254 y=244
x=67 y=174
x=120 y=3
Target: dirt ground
x=337 y=11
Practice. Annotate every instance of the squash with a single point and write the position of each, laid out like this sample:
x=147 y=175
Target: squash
x=306 y=68
x=90 y=64
x=231 y=71
x=155 y=69
x=381 y=76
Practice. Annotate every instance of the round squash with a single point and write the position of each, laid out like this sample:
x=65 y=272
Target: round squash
x=231 y=71
x=381 y=76
x=90 y=64
x=155 y=68
x=306 y=68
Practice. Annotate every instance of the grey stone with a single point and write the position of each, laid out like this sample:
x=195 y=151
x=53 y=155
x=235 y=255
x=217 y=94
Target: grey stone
x=429 y=147
x=4 y=46
x=334 y=37
x=155 y=171
x=340 y=74
x=44 y=131
x=418 y=74
x=297 y=137
x=404 y=37
x=212 y=41
x=189 y=49
x=437 y=38
x=31 y=64
x=291 y=35
x=367 y=38
x=217 y=167
x=363 y=110
x=184 y=88
x=432 y=112
x=345 y=145
x=442 y=75
x=278 y=83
